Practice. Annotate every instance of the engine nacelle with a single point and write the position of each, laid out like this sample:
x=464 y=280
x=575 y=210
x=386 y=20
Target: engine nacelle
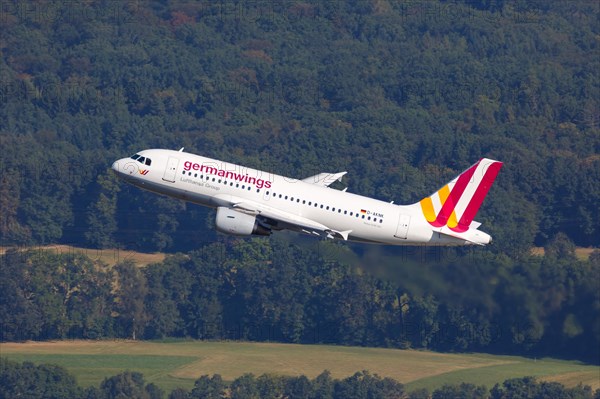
x=237 y=223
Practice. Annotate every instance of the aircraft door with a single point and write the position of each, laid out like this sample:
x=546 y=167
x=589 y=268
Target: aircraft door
x=171 y=169
x=402 y=228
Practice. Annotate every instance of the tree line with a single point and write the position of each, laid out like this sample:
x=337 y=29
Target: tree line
x=48 y=381
x=272 y=290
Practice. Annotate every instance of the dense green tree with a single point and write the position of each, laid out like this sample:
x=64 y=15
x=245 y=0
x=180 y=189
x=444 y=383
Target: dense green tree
x=27 y=380
x=129 y=384
x=244 y=387
x=462 y=391
x=102 y=215
x=207 y=387
x=298 y=387
x=364 y=385
x=132 y=289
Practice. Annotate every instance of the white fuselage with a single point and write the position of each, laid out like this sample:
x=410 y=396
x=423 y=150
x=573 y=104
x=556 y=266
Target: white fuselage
x=214 y=183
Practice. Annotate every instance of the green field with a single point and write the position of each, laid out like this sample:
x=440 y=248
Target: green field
x=179 y=363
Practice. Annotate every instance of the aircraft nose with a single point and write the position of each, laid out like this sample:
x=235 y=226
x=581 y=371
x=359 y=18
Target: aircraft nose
x=115 y=167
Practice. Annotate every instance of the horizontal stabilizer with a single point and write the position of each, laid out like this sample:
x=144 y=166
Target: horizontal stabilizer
x=474 y=225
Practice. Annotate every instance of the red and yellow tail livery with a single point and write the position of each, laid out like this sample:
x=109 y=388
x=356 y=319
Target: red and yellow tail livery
x=456 y=204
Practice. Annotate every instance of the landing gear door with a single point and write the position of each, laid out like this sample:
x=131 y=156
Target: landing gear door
x=402 y=229
x=171 y=169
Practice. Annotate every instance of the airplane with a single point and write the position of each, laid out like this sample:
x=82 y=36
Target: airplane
x=254 y=202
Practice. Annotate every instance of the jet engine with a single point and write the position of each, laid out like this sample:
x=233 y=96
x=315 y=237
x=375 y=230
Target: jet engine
x=237 y=223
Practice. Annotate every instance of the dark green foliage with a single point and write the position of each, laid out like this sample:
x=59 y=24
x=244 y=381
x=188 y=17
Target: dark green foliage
x=262 y=290
x=45 y=296
x=129 y=384
x=363 y=385
x=53 y=382
x=245 y=387
x=462 y=391
x=44 y=381
x=207 y=387
x=394 y=90
x=129 y=300
x=403 y=95
x=527 y=387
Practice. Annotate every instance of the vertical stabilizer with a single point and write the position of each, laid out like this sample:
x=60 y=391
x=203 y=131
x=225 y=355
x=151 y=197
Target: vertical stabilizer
x=456 y=204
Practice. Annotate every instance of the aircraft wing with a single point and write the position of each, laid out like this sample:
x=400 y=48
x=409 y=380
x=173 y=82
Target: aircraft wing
x=286 y=220
x=324 y=179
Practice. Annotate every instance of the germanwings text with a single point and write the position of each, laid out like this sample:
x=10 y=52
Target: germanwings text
x=239 y=177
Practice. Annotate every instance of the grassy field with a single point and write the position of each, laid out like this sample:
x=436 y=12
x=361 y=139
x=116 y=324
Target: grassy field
x=580 y=252
x=109 y=256
x=179 y=363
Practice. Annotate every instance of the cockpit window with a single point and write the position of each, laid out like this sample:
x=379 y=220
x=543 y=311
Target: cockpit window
x=148 y=161
x=141 y=160
x=135 y=156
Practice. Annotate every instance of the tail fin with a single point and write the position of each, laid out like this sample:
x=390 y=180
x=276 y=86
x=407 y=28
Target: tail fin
x=456 y=204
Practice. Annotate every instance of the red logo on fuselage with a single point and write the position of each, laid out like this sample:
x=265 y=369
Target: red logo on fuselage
x=242 y=178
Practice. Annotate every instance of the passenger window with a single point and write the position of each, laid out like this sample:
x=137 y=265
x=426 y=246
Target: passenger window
x=148 y=161
x=304 y=202
x=195 y=174
x=345 y=212
x=321 y=206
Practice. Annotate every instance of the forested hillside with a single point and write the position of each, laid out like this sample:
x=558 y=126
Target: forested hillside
x=403 y=95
